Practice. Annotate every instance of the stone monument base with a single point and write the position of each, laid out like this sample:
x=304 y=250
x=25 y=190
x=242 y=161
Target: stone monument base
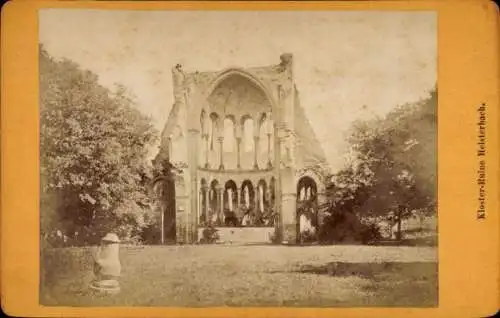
x=106 y=287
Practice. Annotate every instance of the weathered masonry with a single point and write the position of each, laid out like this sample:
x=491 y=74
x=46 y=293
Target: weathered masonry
x=243 y=150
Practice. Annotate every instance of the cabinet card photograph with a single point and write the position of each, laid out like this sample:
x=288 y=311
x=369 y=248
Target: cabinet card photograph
x=238 y=158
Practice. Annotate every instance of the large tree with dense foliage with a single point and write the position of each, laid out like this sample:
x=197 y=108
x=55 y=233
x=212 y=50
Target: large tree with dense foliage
x=93 y=153
x=393 y=167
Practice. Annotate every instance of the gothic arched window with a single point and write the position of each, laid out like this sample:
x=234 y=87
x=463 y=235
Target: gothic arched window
x=248 y=144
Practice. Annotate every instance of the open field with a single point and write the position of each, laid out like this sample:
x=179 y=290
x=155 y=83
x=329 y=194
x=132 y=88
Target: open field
x=267 y=275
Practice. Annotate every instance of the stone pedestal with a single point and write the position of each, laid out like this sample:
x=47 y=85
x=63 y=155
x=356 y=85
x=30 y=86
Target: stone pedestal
x=107 y=267
x=106 y=287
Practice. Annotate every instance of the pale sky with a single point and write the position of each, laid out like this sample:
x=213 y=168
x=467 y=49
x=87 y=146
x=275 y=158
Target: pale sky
x=344 y=60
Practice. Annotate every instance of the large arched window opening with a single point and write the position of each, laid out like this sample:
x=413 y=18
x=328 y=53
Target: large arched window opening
x=265 y=141
x=164 y=194
x=214 y=213
x=229 y=138
x=307 y=207
x=247 y=203
x=247 y=141
x=264 y=212
x=213 y=148
x=230 y=203
x=238 y=95
x=229 y=146
x=212 y=131
x=204 y=122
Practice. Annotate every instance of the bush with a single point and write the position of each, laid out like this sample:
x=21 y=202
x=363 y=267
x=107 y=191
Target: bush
x=370 y=233
x=345 y=227
x=210 y=235
x=276 y=237
x=151 y=234
x=307 y=237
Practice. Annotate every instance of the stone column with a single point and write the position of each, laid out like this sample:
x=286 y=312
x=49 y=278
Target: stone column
x=261 y=199
x=209 y=204
x=269 y=164
x=207 y=152
x=256 y=152
x=221 y=149
x=205 y=207
x=267 y=195
x=221 y=203
x=200 y=201
x=269 y=132
x=289 y=206
x=256 y=198
x=238 y=150
x=182 y=203
x=285 y=161
x=192 y=207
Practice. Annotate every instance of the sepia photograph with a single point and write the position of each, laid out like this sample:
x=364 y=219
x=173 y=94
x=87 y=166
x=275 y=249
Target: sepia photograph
x=238 y=158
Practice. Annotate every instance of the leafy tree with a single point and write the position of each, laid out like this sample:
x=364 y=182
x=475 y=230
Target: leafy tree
x=393 y=172
x=93 y=150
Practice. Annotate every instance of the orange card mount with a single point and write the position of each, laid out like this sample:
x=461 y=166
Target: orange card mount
x=274 y=159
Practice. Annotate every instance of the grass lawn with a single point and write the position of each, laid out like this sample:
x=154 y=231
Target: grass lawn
x=221 y=275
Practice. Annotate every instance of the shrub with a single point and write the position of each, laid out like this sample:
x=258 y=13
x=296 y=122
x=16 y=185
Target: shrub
x=151 y=234
x=345 y=227
x=370 y=233
x=308 y=237
x=276 y=236
x=210 y=235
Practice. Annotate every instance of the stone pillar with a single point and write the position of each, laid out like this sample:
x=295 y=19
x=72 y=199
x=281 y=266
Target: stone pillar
x=284 y=157
x=238 y=149
x=200 y=201
x=210 y=204
x=192 y=207
x=181 y=209
x=207 y=152
x=221 y=203
x=269 y=131
x=256 y=152
x=107 y=267
x=205 y=207
x=288 y=206
x=269 y=163
x=221 y=149
x=267 y=195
